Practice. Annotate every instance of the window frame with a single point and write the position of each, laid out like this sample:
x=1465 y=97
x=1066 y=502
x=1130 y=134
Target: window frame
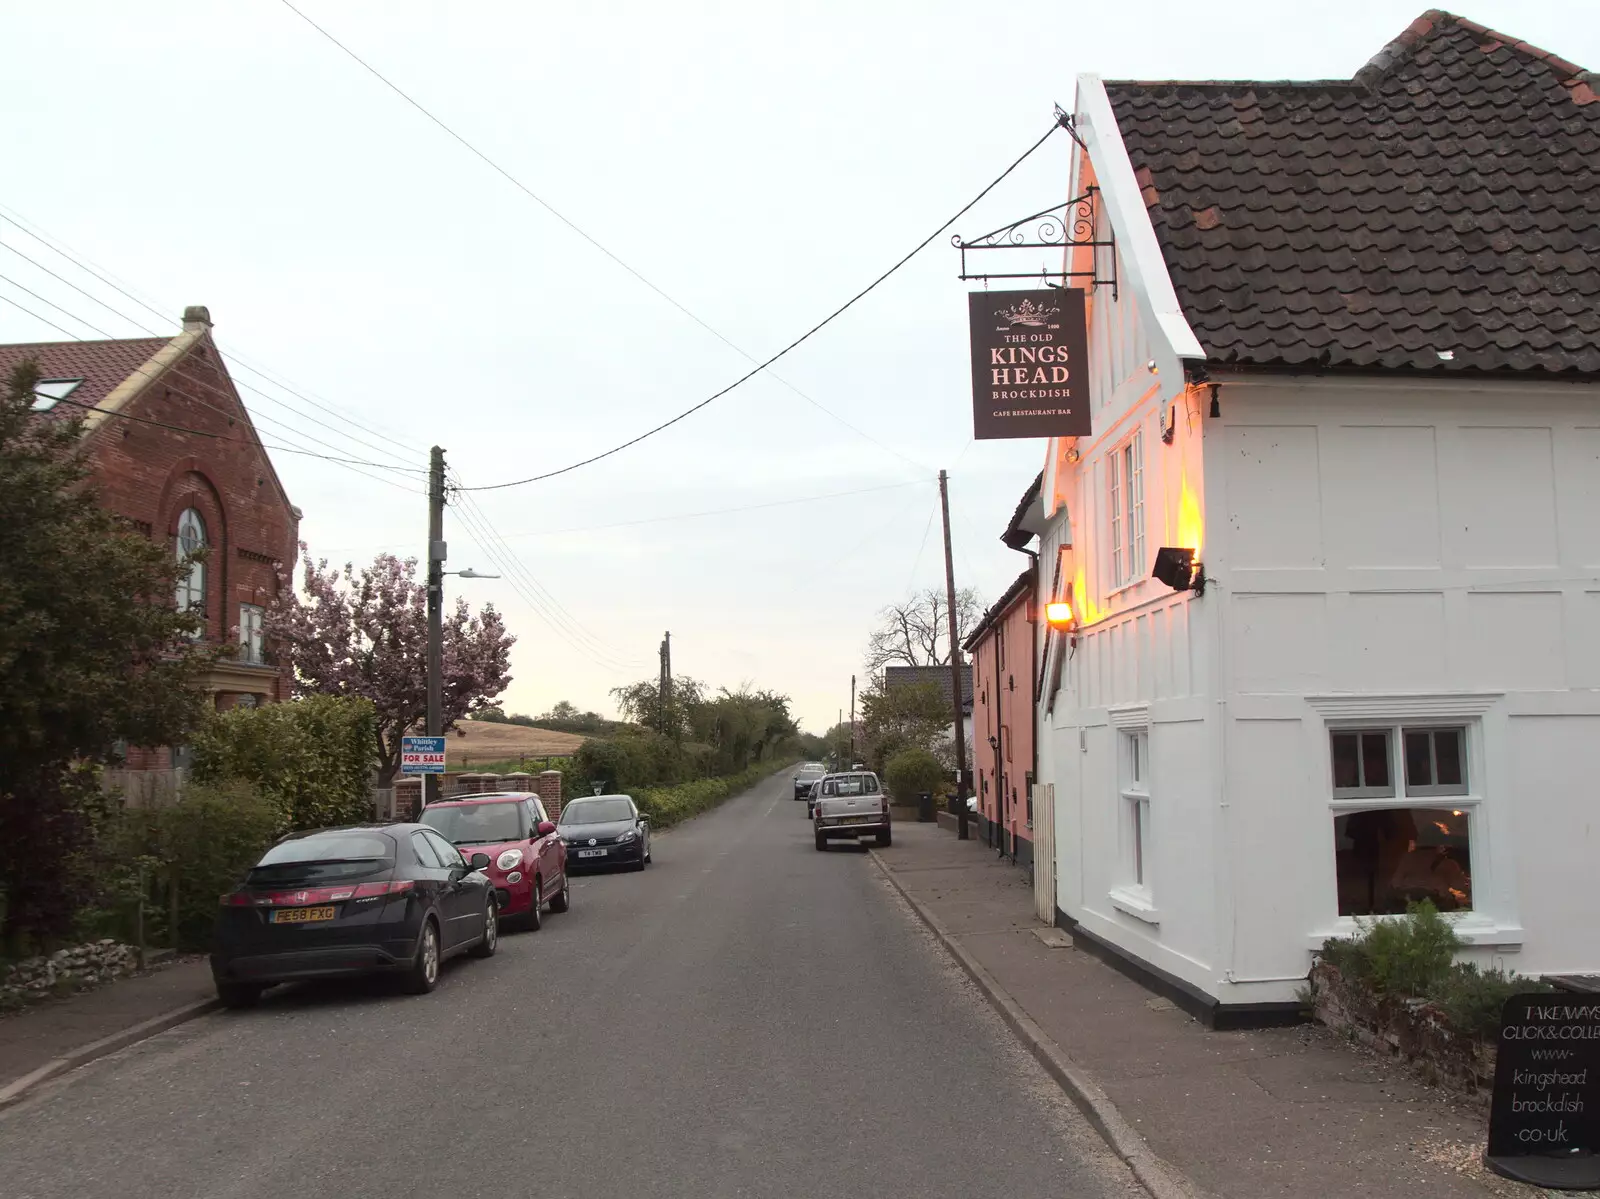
x=1362 y=791
x=1468 y=799
x=191 y=590
x=253 y=634
x=1436 y=789
x=1125 y=497
x=1134 y=894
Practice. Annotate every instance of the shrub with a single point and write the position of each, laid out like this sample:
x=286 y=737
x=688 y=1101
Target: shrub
x=1472 y=999
x=1408 y=956
x=667 y=806
x=911 y=772
x=178 y=858
x=312 y=758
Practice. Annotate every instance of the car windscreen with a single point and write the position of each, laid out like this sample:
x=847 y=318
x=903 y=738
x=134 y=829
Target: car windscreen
x=477 y=823
x=324 y=857
x=597 y=811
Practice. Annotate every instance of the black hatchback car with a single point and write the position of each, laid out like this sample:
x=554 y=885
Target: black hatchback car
x=392 y=898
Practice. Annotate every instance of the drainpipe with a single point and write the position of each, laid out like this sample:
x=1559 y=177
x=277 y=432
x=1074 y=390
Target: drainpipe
x=999 y=741
x=1033 y=665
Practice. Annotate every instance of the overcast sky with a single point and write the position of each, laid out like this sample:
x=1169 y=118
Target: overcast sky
x=757 y=162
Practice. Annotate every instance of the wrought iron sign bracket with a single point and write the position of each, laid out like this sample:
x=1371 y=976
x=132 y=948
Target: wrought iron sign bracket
x=1061 y=226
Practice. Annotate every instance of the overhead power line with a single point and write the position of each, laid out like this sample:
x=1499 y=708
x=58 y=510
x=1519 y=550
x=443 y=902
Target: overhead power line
x=532 y=593
x=281 y=449
x=337 y=458
x=58 y=247
x=750 y=374
x=570 y=224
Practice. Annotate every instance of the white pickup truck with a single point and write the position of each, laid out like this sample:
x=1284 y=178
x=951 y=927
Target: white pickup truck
x=851 y=806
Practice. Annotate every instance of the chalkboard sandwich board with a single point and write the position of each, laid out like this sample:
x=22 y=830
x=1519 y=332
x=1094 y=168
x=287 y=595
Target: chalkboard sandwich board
x=1544 y=1118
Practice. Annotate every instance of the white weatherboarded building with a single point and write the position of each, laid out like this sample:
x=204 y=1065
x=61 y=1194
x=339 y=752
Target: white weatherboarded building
x=1350 y=360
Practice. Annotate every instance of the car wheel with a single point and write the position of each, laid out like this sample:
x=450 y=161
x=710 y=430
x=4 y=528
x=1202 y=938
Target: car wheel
x=533 y=921
x=822 y=842
x=648 y=856
x=424 y=973
x=491 y=932
x=563 y=902
x=885 y=838
x=238 y=995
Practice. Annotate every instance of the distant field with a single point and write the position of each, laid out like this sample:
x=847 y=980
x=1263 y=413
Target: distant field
x=485 y=742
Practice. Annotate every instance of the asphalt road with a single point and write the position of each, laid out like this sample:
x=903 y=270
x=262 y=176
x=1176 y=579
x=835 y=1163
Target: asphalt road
x=747 y=1017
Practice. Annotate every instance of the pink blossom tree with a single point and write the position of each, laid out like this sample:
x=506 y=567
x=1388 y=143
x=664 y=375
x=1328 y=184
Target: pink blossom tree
x=366 y=634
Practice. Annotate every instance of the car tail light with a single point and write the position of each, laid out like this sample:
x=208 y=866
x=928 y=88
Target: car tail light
x=315 y=895
x=394 y=887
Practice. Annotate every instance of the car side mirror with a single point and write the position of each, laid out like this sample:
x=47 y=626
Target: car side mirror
x=479 y=861
x=546 y=827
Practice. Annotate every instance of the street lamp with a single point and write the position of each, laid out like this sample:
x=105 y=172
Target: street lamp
x=469 y=573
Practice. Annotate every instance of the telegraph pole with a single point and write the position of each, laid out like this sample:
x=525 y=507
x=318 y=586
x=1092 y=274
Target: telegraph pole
x=852 y=720
x=664 y=684
x=955 y=663
x=436 y=557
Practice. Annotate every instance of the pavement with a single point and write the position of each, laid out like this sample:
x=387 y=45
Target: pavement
x=748 y=1017
x=59 y=1034
x=1271 y=1114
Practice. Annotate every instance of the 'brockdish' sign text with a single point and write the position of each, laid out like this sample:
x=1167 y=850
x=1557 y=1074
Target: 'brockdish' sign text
x=1544 y=1119
x=1030 y=362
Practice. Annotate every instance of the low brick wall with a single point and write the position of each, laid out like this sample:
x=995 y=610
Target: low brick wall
x=1411 y=1030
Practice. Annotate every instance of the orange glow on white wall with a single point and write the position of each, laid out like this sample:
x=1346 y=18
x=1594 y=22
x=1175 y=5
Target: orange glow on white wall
x=1191 y=525
x=1087 y=613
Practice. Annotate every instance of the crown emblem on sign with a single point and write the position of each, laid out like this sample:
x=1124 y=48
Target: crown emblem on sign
x=1027 y=313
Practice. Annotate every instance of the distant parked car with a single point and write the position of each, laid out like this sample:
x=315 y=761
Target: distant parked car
x=811 y=798
x=395 y=898
x=605 y=830
x=850 y=806
x=527 y=862
x=805 y=776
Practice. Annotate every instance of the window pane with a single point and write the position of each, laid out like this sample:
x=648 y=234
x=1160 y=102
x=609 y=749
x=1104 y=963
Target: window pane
x=1346 y=763
x=1141 y=818
x=1387 y=856
x=1375 y=760
x=1448 y=756
x=425 y=853
x=1419 y=760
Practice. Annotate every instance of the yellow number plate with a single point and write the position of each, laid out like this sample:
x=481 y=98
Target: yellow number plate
x=301 y=915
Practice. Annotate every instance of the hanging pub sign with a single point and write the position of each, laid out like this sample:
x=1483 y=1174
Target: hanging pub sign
x=1030 y=361
x=1544 y=1117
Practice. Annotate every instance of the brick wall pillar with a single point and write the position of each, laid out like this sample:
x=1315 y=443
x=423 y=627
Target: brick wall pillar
x=548 y=785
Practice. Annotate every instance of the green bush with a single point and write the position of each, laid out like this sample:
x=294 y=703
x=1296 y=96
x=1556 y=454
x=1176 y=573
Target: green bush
x=312 y=758
x=1472 y=999
x=667 y=806
x=629 y=761
x=911 y=772
x=1409 y=955
x=178 y=859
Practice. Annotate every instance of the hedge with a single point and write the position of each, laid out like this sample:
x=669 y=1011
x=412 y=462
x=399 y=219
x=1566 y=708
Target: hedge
x=667 y=806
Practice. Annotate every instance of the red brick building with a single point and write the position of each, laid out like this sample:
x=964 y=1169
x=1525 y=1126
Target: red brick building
x=174 y=453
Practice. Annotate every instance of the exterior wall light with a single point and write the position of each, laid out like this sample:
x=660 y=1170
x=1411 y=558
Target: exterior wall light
x=1058 y=614
x=1176 y=567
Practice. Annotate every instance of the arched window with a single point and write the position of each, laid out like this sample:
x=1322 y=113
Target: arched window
x=191 y=539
